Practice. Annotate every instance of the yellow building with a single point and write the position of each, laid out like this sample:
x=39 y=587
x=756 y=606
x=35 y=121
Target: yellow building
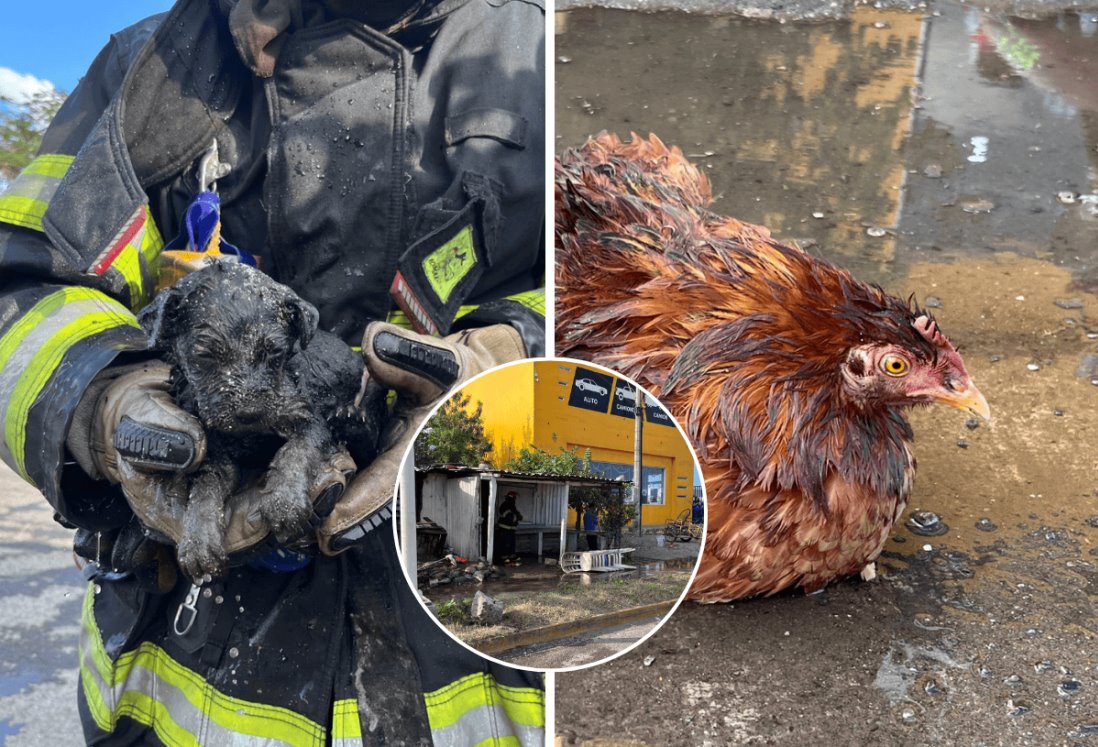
x=557 y=404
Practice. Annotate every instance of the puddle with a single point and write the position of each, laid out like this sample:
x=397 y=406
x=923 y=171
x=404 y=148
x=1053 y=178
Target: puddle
x=535 y=576
x=947 y=156
x=868 y=123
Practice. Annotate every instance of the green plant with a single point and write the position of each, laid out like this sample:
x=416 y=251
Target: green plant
x=454 y=435
x=607 y=501
x=454 y=612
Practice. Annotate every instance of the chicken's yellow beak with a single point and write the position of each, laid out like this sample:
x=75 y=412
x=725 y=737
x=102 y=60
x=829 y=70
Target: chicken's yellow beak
x=968 y=399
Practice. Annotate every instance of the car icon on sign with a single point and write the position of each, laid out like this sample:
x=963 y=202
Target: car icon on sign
x=625 y=394
x=587 y=385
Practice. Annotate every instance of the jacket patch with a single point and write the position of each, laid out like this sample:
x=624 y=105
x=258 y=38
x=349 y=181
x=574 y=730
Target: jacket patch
x=439 y=271
x=446 y=266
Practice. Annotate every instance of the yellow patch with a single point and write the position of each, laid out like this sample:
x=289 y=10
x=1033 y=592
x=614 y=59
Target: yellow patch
x=446 y=266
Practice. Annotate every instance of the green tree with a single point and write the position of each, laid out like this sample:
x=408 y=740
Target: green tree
x=454 y=435
x=21 y=128
x=607 y=501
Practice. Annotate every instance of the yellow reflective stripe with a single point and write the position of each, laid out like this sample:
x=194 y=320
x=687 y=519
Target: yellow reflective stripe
x=139 y=261
x=52 y=164
x=98 y=652
x=145 y=710
x=446 y=706
x=42 y=367
x=29 y=195
x=345 y=721
x=23 y=211
x=533 y=300
x=501 y=742
x=128 y=263
x=33 y=347
x=234 y=714
x=225 y=712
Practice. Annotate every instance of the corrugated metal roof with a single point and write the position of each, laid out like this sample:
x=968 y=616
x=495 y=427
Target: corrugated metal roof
x=461 y=470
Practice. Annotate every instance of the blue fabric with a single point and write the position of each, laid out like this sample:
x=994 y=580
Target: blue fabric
x=199 y=223
x=282 y=561
x=590 y=521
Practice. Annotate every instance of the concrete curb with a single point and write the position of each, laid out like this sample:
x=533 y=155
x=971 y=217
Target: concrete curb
x=556 y=632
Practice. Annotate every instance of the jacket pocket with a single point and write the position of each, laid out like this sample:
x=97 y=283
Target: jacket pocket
x=498 y=124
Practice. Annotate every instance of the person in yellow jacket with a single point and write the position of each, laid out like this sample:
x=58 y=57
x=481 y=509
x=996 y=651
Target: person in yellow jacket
x=384 y=160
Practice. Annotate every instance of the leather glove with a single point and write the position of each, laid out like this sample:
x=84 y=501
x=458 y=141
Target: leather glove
x=160 y=503
x=157 y=435
x=129 y=430
x=422 y=369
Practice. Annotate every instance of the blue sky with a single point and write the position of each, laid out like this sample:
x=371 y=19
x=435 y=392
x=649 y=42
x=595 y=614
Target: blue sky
x=56 y=40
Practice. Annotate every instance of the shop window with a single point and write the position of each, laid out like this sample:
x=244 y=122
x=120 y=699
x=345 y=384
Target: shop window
x=652 y=492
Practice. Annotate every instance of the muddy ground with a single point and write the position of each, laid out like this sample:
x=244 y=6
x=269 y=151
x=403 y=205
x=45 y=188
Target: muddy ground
x=926 y=153
x=536 y=595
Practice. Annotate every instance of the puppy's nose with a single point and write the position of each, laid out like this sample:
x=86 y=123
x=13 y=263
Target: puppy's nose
x=249 y=417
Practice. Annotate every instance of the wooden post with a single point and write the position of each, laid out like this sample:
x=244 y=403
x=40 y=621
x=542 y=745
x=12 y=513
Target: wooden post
x=491 y=528
x=564 y=523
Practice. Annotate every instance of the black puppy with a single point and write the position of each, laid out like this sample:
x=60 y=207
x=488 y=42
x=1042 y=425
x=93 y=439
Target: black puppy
x=269 y=388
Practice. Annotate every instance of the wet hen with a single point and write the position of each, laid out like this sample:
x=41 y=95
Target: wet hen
x=791 y=377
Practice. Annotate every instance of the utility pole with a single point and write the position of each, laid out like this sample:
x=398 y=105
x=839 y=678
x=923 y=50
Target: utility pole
x=638 y=451
x=407 y=489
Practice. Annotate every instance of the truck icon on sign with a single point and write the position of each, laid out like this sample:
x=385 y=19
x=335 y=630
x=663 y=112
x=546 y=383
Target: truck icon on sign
x=624 y=394
x=587 y=385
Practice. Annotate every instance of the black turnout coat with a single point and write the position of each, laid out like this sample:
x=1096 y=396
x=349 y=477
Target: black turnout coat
x=357 y=161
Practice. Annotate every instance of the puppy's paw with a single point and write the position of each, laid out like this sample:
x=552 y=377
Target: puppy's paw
x=201 y=556
x=286 y=510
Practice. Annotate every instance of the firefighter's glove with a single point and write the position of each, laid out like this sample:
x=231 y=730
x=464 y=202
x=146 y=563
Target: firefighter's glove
x=421 y=369
x=129 y=411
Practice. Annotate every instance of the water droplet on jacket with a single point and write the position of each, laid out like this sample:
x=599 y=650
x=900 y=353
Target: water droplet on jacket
x=207 y=593
x=97 y=588
x=234 y=652
x=219 y=599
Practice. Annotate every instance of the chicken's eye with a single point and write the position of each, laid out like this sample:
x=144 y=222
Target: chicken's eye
x=894 y=365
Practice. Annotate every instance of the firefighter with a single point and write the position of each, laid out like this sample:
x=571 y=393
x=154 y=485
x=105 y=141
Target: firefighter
x=506 y=525
x=374 y=156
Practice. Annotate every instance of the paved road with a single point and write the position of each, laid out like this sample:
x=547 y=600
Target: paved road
x=42 y=591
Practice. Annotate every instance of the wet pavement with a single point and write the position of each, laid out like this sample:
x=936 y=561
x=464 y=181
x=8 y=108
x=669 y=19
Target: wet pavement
x=42 y=592
x=950 y=155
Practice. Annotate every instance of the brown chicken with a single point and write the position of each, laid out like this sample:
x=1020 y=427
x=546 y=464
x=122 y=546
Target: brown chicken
x=790 y=376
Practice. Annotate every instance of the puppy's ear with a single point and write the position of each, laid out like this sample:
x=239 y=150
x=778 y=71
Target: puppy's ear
x=159 y=317
x=304 y=319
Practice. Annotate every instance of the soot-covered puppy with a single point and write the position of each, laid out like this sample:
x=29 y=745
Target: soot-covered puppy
x=269 y=388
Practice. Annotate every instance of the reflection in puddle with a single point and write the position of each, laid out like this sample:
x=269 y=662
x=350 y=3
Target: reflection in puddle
x=811 y=130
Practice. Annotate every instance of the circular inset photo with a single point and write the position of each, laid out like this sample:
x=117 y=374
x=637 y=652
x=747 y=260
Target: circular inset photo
x=551 y=514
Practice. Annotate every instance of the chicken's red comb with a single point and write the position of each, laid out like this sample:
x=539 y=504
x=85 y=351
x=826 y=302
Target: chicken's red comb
x=928 y=328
